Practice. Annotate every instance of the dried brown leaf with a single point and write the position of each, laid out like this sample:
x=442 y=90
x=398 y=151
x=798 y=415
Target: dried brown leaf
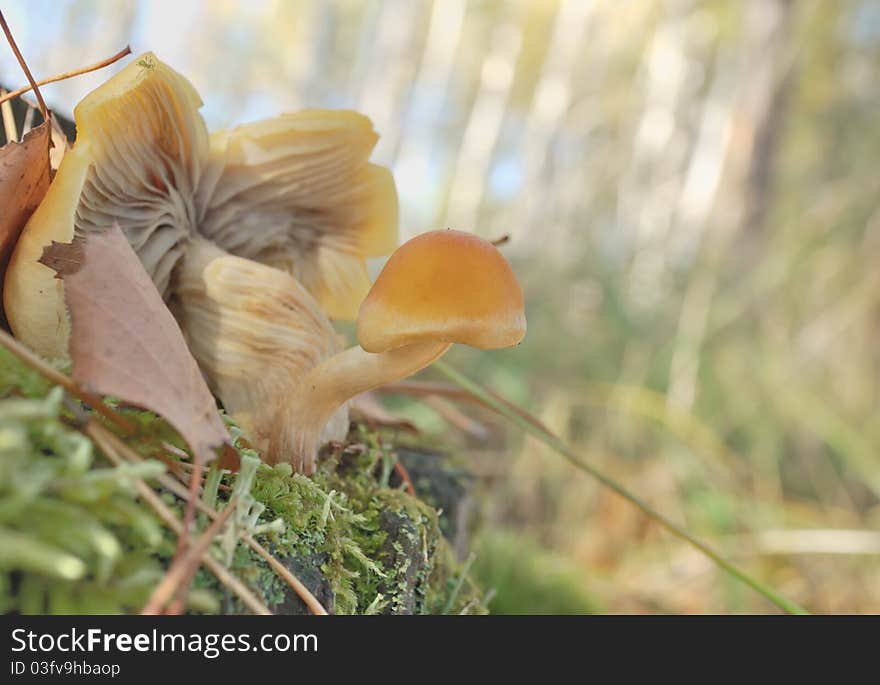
x=457 y=418
x=366 y=408
x=24 y=180
x=65 y=259
x=125 y=342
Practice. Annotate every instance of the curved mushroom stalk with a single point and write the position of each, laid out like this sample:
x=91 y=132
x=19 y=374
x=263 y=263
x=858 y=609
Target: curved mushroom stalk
x=255 y=332
x=300 y=423
x=272 y=357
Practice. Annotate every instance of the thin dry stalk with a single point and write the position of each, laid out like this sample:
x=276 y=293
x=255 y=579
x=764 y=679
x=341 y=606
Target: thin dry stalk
x=401 y=471
x=54 y=375
x=457 y=418
x=181 y=491
x=301 y=590
x=28 y=123
x=69 y=74
x=101 y=437
x=189 y=513
x=27 y=72
x=450 y=392
x=9 y=127
x=180 y=573
x=184 y=540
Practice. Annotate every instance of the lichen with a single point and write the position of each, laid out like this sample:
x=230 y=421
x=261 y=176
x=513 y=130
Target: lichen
x=380 y=550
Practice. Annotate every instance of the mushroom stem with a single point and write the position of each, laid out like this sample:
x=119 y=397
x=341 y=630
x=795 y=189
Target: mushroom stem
x=272 y=356
x=354 y=370
x=255 y=333
x=332 y=383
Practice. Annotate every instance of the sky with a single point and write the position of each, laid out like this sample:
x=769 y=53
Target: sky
x=254 y=60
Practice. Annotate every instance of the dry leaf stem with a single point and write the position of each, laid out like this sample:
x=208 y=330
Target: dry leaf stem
x=9 y=127
x=106 y=441
x=54 y=375
x=180 y=573
x=68 y=74
x=429 y=389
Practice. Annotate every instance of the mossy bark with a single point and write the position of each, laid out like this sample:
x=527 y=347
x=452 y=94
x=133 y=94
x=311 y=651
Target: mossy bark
x=78 y=539
x=361 y=546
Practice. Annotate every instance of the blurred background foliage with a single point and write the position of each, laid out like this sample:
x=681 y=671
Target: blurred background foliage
x=691 y=192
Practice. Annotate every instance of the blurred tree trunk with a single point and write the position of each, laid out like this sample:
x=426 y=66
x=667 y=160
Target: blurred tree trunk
x=768 y=82
x=736 y=214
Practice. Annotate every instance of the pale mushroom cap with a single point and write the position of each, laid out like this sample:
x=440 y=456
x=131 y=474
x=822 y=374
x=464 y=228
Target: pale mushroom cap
x=298 y=192
x=445 y=286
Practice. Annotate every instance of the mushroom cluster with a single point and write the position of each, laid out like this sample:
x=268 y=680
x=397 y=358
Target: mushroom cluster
x=296 y=192
x=440 y=288
x=257 y=237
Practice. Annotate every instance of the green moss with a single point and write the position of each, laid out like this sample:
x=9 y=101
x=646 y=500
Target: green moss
x=380 y=549
x=74 y=537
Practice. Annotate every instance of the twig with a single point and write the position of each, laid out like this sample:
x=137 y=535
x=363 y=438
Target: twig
x=56 y=127
x=465 y=569
x=102 y=438
x=181 y=491
x=178 y=468
x=43 y=109
x=180 y=573
x=54 y=375
x=28 y=122
x=189 y=513
x=404 y=476
x=182 y=468
x=69 y=74
x=189 y=516
x=501 y=240
x=301 y=590
x=456 y=417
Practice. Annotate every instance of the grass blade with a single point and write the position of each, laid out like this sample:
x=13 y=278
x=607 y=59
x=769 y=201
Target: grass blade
x=556 y=444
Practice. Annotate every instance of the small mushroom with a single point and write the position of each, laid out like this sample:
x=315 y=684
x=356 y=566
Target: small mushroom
x=270 y=353
x=296 y=192
x=440 y=288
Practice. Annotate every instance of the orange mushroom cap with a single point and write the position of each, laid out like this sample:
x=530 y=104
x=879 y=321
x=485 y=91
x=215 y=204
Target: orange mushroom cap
x=444 y=286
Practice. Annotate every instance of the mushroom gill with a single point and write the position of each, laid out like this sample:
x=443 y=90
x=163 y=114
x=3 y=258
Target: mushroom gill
x=296 y=192
x=138 y=157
